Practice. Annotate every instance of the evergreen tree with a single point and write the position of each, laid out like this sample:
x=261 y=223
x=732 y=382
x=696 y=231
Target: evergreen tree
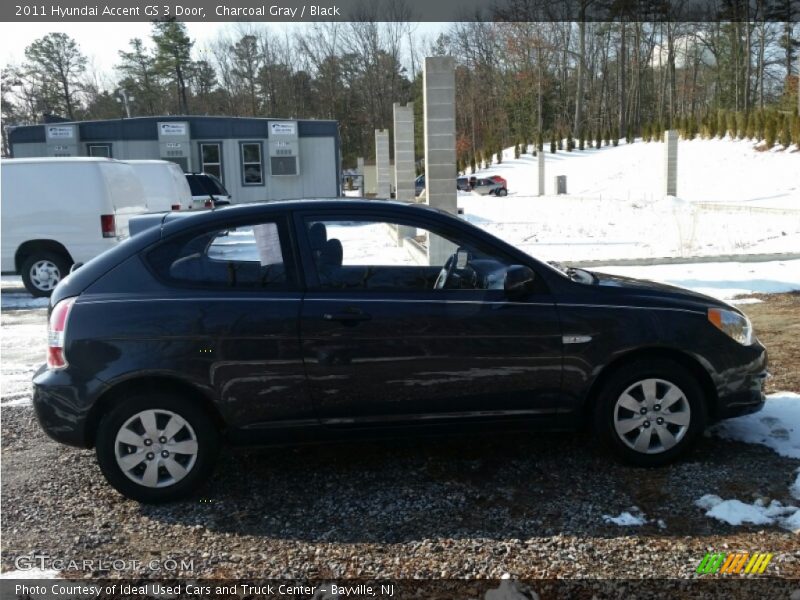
x=750 y=128
x=785 y=135
x=173 y=58
x=58 y=62
x=770 y=129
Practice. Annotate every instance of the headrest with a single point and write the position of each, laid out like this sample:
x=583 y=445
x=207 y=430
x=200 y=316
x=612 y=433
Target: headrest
x=332 y=253
x=317 y=235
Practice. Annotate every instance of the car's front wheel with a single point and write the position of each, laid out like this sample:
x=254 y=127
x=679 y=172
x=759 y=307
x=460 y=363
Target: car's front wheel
x=156 y=447
x=650 y=412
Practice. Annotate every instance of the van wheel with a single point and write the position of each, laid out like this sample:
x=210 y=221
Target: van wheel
x=42 y=271
x=156 y=447
x=650 y=412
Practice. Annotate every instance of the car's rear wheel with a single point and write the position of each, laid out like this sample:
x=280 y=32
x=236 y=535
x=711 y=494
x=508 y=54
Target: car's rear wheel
x=156 y=447
x=42 y=271
x=502 y=192
x=650 y=412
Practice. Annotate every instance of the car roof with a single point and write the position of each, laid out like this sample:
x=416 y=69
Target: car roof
x=180 y=219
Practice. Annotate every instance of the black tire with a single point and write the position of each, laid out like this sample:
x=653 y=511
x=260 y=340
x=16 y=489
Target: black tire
x=502 y=192
x=205 y=432
x=668 y=373
x=60 y=263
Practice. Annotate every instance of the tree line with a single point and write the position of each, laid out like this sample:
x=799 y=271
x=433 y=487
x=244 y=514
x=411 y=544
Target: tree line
x=517 y=84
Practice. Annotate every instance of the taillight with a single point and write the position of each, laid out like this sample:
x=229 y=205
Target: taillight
x=108 y=225
x=209 y=204
x=55 y=334
x=176 y=207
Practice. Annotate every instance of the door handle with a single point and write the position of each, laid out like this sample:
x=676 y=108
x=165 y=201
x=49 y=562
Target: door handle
x=347 y=316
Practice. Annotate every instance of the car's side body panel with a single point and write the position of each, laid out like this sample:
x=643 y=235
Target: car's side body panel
x=270 y=360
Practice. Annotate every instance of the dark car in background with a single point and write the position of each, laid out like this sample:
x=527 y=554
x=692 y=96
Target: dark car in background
x=306 y=320
x=207 y=191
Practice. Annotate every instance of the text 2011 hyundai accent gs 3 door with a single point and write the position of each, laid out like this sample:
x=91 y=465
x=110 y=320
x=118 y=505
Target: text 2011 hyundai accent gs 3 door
x=269 y=323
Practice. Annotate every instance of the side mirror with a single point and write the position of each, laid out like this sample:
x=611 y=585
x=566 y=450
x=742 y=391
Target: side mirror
x=519 y=280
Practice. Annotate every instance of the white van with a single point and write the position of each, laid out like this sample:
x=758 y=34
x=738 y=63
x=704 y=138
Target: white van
x=60 y=211
x=164 y=183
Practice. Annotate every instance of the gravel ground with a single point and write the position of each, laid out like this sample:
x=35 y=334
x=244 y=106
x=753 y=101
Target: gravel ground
x=480 y=506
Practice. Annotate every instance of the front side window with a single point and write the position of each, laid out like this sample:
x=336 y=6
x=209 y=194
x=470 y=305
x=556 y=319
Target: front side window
x=211 y=159
x=249 y=257
x=383 y=254
x=252 y=164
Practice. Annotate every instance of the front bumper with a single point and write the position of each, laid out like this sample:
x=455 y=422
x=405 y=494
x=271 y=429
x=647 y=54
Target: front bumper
x=740 y=388
x=63 y=405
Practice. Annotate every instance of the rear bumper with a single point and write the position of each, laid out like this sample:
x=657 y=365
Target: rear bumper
x=63 y=405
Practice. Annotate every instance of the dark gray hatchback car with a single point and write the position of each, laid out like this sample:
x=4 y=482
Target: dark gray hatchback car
x=309 y=320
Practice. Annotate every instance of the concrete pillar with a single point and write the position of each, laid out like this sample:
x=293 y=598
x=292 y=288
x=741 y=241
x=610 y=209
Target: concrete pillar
x=360 y=171
x=671 y=162
x=404 y=173
x=439 y=88
x=540 y=163
x=383 y=173
x=404 y=151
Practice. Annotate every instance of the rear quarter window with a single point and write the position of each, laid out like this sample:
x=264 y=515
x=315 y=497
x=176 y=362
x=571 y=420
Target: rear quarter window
x=252 y=256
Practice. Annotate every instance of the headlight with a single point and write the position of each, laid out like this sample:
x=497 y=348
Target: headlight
x=732 y=324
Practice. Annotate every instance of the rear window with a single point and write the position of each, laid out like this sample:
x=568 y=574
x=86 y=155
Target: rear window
x=204 y=185
x=253 y=256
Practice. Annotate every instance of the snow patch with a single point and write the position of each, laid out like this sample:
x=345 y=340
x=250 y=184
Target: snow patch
x=776 y=426
x=31 y=574
x=736 y=512
x=627 y=519
x=794 y=489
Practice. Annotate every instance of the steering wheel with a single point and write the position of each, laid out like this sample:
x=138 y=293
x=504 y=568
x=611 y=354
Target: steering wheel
x=446 y=273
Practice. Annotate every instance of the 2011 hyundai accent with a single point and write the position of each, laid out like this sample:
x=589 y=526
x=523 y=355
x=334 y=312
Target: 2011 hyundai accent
x=306 y=320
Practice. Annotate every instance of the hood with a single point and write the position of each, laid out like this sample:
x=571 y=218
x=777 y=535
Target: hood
x=643 y=288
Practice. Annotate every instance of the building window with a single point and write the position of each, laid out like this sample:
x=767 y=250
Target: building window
x=99 y=150
x=211 y=159
x=252 y=163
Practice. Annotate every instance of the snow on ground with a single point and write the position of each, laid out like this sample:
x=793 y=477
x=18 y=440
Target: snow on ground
x=732 y=200
x=736 y=512
x=627 y=519
x=718 y=170
x=31 y=574
x=794 y=489
x=776 y=426
x=720 y=280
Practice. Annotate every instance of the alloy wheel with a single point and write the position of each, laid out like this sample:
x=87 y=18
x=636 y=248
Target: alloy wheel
x=156 y=448
x=652 y=416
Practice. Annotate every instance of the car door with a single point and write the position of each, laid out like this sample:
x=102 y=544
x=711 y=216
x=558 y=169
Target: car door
x=380 y=344
x=233 y=309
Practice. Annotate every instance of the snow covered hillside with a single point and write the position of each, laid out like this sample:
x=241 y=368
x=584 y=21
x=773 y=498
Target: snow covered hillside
x=732 y=200
x=718 y=170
